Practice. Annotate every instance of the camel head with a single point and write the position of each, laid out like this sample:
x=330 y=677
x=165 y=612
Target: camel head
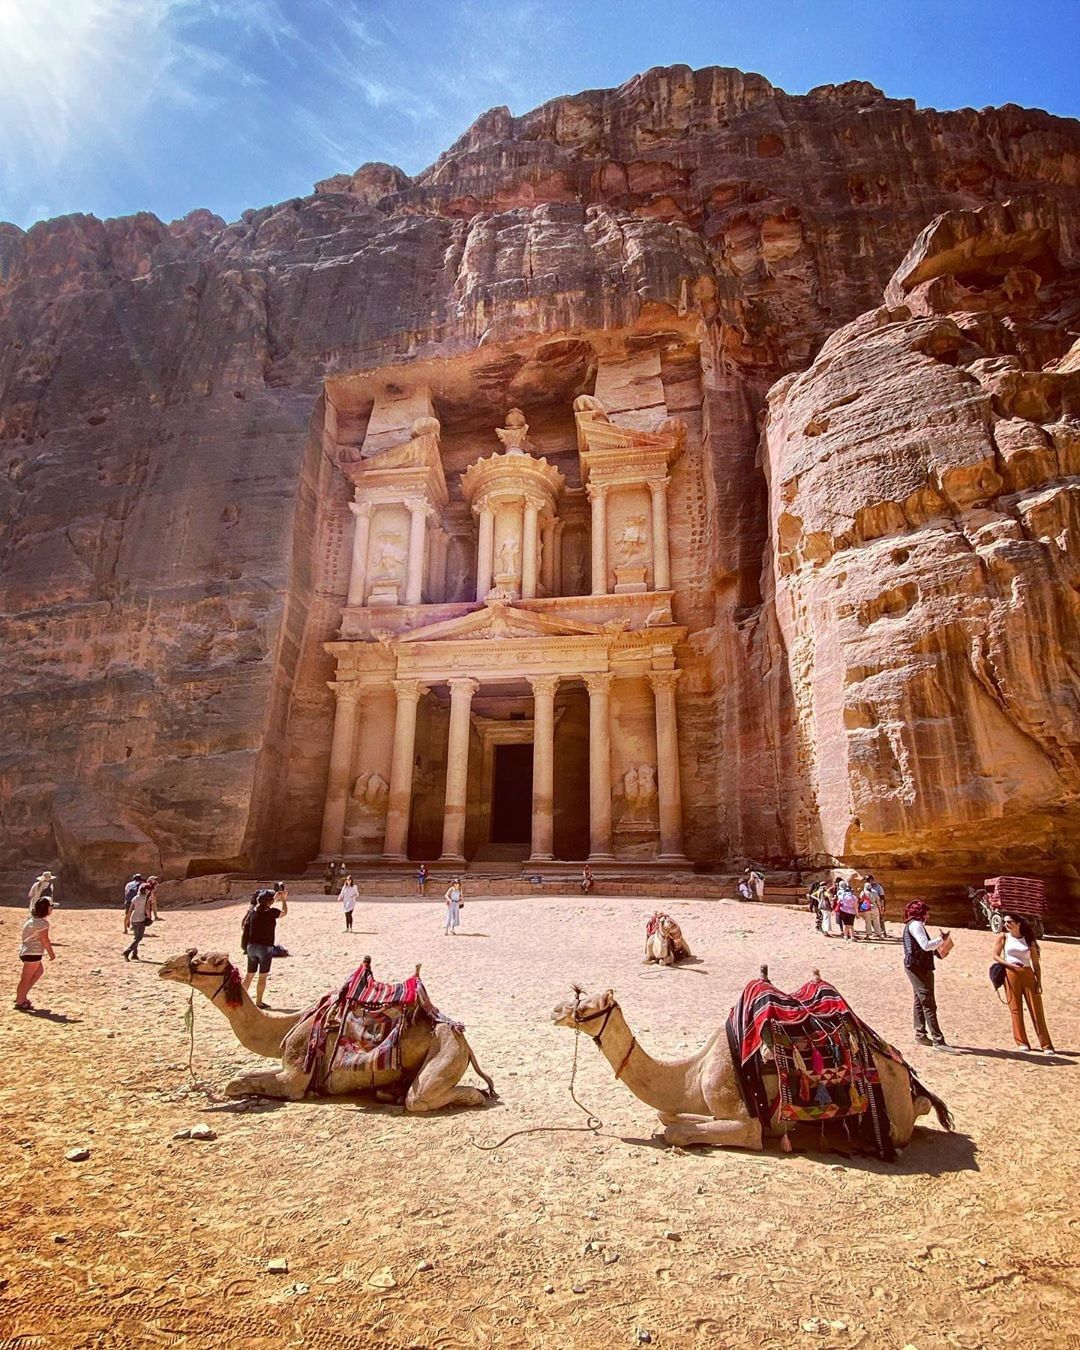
x=585 y=1012
x=210 y=972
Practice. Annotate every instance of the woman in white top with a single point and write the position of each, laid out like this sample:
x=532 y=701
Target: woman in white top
x=33 y=946
x=453 y=907
x=1017 y=949
x=350 y=894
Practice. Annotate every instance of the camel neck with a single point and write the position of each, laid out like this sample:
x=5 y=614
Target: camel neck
x=668 y=1086
x=257 y=1031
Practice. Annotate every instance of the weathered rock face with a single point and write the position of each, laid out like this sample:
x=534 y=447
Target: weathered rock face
x=925 y=519
x=162 y=574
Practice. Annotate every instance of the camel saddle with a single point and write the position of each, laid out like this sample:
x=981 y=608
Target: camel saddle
x=365 y=1019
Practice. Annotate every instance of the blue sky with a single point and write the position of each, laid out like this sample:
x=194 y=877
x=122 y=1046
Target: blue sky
x=115 y=106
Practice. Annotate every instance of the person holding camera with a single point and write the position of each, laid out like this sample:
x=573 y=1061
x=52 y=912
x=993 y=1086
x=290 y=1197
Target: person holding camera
x=920 y=953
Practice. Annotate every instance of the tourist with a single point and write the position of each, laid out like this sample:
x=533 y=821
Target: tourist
x=132 y=886
x=421 y=878
x=350 y=894
x=847 y=905
x=755 y=880
x=920 y=953
x=872 y=896
x=151 y=904
x=454 y=903
x=827 y=906
x=260 y=927
x=1017 y=949
x=329 y=878
x=813 y=902
x=41 y=888
x=587 y=880
x=34 y=944
x=135 y=920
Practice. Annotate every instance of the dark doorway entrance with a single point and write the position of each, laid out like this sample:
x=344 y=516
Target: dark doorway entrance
x=511 y=794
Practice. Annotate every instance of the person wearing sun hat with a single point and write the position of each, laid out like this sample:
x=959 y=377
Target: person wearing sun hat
x=41 y=888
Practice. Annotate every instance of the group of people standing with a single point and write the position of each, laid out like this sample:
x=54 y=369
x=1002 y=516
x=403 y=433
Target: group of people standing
x=836 y=905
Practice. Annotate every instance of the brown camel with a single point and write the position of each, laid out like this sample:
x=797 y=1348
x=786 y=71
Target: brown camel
x=698 y=1098
x=434 y=1056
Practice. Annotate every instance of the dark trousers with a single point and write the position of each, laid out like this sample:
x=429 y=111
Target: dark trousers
x=348 y=920
x=925 y=1009
x=138 y=929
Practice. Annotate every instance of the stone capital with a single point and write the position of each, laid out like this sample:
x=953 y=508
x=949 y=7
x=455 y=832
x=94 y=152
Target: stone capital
x=361 y=509
x=418 y=506
x=598 y=683
x=345 y=691
x=410 y=690
x=543 y=685
x=663 y=679
x=658 y=486
x=462 y=686
x=597 y=491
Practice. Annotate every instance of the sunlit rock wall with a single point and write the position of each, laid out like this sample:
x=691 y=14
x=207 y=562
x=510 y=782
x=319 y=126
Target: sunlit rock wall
x=161 y=467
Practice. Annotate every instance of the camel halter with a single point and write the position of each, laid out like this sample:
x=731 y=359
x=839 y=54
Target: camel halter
x=605 y=1013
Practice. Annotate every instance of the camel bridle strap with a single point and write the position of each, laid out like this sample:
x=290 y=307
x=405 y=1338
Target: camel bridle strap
x=598 y=1036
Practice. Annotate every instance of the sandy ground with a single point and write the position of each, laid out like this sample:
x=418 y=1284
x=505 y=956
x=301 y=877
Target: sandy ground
x=971 y=1240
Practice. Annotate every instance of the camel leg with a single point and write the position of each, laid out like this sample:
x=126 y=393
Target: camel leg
x=436 y=1085
x=714 y=1133
x=285 y=1084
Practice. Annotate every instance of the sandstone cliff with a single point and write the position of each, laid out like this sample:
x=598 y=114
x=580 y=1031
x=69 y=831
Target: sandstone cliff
x=158 y=475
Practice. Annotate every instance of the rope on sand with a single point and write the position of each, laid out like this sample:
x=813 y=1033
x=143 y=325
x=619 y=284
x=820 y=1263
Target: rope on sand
x=593 y=1123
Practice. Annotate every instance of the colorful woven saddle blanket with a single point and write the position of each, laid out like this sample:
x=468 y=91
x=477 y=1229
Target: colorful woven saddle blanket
x=666 y=926
x=821 y=1052
x=359 y=1027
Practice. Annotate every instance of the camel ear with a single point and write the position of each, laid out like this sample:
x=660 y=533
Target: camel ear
x=609 y=997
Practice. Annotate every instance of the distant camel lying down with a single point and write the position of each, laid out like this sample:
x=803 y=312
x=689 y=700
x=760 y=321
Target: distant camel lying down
x=664 y=942
x=429 y=1054
x=699 y=1100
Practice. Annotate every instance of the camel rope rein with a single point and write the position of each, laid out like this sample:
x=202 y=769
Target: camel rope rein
x=593 y=1123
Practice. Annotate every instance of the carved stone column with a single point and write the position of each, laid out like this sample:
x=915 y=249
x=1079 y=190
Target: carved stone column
x=547 y=556
x=361 y=535
x=340 y=771
x=598 y=498
x=543 y=801
x=599 y=687
x=399 y=801
x=414 y=574
x=457 y=768
x=485 y=551
x=669 y=790
x=556 y=559
x=530 y=537
x=661 y=548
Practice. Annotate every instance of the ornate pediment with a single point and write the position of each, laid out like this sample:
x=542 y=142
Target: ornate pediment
x=501 y=620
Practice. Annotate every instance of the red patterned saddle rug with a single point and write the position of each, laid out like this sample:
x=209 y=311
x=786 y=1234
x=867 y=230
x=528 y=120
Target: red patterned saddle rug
x=365 y=1019
x=822 y=1054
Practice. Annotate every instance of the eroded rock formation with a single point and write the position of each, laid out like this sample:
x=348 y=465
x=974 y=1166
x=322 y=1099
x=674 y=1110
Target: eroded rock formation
x=169 y=548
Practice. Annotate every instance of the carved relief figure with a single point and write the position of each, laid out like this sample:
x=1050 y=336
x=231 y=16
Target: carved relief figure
x=390 y=554
x=631 y=539
x=508 y=557
x=639 y=793
x=370 y=792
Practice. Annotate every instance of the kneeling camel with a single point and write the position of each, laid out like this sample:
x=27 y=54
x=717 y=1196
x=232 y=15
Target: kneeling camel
x=433 y=1055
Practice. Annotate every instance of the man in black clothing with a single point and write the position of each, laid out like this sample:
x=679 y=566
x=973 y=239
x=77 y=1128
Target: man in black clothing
x=260 y=926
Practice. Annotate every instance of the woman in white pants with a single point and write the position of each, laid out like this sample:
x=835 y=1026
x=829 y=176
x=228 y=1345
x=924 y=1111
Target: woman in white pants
x=453 y=907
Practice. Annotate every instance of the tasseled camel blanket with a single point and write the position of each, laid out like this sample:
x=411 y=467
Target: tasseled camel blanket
x=666 y=926
x=367 y=1018
x=822 y=1055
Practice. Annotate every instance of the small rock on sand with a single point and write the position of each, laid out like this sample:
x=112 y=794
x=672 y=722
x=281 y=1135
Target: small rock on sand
x=77 y=1154
x=277 y=1265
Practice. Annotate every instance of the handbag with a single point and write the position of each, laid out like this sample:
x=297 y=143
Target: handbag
x=865 y=906
x=997 y=974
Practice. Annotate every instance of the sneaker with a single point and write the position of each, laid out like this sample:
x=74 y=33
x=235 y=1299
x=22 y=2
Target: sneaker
x=922 y=1040
x=25 y=1006
x=1048 y=1050
x=1025 y=1048
x=948 y=1049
